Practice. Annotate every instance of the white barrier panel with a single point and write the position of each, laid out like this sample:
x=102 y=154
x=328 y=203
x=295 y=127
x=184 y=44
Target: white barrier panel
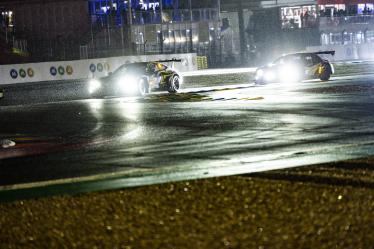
x=83 y=69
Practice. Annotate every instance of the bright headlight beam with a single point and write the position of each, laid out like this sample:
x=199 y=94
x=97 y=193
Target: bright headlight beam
x=93 y=86
x=259 y=74
x=287 y=74
x=128 y=84
x=269 y=76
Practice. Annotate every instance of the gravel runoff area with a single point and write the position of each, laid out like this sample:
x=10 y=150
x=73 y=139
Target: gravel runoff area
x=324 y=206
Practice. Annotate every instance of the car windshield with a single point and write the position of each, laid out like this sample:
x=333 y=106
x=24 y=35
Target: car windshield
x=133 y=68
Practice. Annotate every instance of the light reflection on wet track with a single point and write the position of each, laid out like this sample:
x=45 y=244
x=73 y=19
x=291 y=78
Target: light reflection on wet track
x=201 y=132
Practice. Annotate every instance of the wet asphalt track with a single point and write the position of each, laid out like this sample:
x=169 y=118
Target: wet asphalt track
x=201 y=132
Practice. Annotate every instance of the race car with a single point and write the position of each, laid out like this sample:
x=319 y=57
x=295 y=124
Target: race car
x=137 y=78
x=296 y=67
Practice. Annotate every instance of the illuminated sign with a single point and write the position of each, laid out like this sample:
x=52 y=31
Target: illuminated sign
x=53 y=71
x=93 y=68
x=13 y=73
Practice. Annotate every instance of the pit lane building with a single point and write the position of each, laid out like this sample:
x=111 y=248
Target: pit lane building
x=245 y=32
x=71 y=29
x=266 y=29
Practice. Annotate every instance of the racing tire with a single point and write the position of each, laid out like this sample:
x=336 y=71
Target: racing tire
x=325 y=75
x=174 y=84
x=143 y=87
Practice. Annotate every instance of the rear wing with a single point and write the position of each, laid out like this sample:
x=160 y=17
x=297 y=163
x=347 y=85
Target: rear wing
x=332 y=52
x=173 y=60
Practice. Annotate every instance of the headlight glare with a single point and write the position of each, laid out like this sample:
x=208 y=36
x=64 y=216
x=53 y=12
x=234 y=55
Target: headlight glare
x=93 y=86
x=269 y=75
x=287 y=73
x=128 y=84
x=259 y=73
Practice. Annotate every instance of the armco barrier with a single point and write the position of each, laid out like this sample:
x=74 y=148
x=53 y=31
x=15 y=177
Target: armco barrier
x=83 y=69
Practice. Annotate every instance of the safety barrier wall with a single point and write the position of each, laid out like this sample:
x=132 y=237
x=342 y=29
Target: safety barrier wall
x=83 y=69
x=202 y=62
x=348 y=52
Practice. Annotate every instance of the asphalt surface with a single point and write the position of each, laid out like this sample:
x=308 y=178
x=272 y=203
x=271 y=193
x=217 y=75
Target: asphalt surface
x=324 y=206
x=201 y=132
x=122 y=142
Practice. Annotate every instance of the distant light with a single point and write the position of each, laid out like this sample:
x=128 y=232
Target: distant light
x=105 y=9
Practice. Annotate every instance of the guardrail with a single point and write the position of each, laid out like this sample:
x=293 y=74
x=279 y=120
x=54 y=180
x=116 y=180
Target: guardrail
x=83 y=69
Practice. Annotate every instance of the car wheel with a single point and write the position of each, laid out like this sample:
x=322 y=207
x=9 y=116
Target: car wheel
x=143 y=88
x=174 y=84
x=326 y=73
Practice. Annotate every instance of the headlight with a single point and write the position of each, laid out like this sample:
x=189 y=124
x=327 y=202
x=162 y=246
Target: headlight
x=128 y=84
x=269 y=75
x=259 y=74
x=289 y=73
x=93 y=86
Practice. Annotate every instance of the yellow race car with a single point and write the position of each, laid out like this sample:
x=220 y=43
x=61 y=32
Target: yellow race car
x=137 y=78
x=296 y=67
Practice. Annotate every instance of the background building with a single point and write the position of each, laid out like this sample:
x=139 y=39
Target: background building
x=227 y=32
x=266 y=29
x=49 y=29
x=347 y=27
x=73 y=29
